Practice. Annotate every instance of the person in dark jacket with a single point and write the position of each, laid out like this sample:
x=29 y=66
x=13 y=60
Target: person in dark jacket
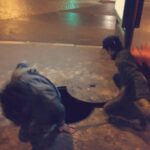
x=33 y=102
x=131 y=80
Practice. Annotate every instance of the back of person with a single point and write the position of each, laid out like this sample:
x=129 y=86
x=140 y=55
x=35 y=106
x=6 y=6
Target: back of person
x=31 y=94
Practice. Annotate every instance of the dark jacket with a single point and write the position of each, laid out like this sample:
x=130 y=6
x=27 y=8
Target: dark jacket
x=34 y=103
x=132 y=76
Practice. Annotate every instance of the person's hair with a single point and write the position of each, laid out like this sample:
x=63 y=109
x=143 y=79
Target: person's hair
x=113 y=43
x=13 y=102
x=22 y=64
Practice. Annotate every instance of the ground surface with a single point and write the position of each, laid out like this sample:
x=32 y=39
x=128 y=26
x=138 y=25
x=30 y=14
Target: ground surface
x=86 y=70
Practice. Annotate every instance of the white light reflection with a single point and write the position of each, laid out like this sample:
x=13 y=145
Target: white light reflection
x=10 y=9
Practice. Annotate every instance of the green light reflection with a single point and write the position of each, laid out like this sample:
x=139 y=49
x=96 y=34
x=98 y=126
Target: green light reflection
x=71 y=4
x=72 y=19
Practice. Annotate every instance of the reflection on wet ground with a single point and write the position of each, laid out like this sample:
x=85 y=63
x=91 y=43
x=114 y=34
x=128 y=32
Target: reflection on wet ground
x=86 y=70
x=16 y=8
x=69 y=21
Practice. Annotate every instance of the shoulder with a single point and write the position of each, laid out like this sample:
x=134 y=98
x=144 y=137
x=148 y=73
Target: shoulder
x=124 y=56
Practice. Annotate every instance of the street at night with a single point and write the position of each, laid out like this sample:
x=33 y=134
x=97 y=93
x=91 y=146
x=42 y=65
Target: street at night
x=62 y=39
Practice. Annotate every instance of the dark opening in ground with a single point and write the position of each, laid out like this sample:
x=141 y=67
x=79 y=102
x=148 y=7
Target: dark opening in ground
x=76 y=110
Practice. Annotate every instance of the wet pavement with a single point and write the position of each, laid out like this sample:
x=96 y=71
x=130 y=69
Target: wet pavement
x=71 y=56
x=61 y=21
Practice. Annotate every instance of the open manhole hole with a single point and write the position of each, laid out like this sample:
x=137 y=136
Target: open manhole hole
x=76 y=110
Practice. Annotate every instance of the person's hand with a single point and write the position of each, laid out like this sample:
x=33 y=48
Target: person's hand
x=67 y=128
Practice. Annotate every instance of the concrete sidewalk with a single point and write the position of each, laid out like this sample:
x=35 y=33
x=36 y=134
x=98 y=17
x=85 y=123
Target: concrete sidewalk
x=87 y=72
